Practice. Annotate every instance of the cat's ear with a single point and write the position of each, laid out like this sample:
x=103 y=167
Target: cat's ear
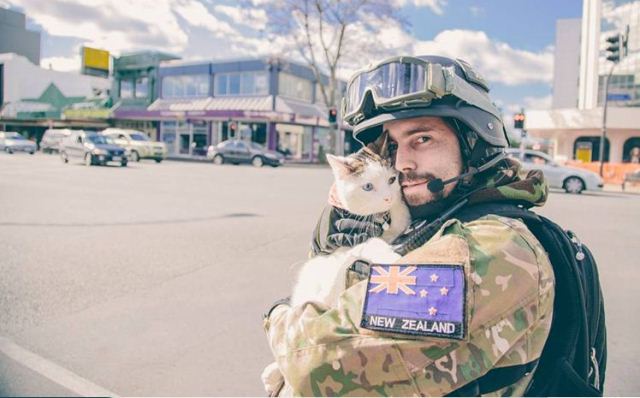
x=380 y=146
x=342 y=166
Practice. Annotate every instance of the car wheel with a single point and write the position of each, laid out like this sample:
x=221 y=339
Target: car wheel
x=123 y=163
x=218 y=159
x=257 y=161
x=573 y=185
x=158 y=160
x=64 y=157
x=8 y=150
x=31 y=153
x=135 y=157
x=88 y=160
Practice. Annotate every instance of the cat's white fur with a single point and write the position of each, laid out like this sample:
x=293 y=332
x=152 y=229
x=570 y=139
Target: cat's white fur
x=323 y=278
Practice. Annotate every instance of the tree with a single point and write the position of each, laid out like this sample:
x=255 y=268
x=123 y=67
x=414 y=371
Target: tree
x=333 y=35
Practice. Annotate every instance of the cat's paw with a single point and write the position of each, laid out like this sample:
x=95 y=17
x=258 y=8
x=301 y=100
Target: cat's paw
x=376 y=250
x=272 y=378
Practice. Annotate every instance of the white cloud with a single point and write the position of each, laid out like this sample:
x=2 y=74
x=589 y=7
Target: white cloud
x=497 y=61
x=64 y=64
x=196 y=14
x=436 y=6
x=253 y=18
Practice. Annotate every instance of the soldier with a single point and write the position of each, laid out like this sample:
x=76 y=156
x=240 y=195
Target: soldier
x=468 y=308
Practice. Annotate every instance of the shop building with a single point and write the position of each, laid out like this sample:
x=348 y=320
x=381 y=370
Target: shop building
x=270 y=101
x=573 y=126
x=36 y=98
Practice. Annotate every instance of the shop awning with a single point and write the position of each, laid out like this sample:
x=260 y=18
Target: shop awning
x=180 y=104
x=306 y=110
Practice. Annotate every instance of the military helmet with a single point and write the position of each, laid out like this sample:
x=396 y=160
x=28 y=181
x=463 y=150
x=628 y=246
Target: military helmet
x=407 y=87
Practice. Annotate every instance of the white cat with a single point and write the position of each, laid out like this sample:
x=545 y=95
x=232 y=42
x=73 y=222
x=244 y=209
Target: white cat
x=366 y=185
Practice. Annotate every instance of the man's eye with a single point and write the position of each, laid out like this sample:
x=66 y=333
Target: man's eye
x=392 y=180
x=368 y=186
x=423 y=139
x=392 y=147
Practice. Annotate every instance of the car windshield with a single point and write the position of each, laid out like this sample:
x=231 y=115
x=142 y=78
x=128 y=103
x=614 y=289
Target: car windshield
x=257 y=146
x=99 y=139
x=14 y=136
x=139 y=137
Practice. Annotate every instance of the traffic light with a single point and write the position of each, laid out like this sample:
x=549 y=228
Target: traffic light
x=518 y=121
x=615 y=48
x=333 y=114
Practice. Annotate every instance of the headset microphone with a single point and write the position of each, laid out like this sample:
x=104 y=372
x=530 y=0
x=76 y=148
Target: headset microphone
x=437 y=185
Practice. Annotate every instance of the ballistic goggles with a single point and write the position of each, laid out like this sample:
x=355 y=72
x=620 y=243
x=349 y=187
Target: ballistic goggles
x=407 y=82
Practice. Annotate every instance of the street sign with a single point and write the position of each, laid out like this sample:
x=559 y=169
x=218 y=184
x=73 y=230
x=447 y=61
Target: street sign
x=618 y=97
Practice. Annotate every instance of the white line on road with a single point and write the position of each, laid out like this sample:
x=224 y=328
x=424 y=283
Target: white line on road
x=51 y=371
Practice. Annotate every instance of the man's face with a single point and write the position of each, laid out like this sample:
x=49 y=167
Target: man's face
x=424 y=148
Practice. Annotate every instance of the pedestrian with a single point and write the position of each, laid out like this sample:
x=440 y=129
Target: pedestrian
x=476 y=303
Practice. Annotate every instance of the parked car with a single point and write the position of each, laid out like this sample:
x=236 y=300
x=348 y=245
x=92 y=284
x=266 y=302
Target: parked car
x=52 y=138
x=632 y=178
x=91 y=148
x=236 y=152
x=138 y=144
x=571 y=179
x=11 y=142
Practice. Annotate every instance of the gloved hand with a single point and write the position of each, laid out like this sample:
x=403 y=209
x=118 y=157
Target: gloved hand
x=337 y=228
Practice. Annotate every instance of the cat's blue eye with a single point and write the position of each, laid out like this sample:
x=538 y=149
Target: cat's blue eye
x=368 y=186
x=392 y=180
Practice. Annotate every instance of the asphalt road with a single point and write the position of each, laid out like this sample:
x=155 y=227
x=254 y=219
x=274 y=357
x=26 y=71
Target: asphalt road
x=151 y=280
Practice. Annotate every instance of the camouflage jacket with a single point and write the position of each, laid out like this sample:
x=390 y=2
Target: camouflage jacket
x=508 y=304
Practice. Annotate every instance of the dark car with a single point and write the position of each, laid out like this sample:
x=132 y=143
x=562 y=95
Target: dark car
x=236 y=152
x=91 y=148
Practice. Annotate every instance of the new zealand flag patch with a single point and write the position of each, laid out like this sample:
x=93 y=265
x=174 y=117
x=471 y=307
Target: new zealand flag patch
x=420 y=299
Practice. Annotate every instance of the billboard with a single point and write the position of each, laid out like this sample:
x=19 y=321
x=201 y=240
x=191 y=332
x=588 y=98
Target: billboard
x=95 y=62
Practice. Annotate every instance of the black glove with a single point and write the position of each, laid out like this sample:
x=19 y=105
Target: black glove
x=337 y=228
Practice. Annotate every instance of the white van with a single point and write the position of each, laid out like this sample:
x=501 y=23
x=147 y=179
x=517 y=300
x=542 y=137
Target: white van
x=138 y=144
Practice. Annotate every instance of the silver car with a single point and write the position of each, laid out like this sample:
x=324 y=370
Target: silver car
x=11 y=142
x=52 y=138
x=571 y=179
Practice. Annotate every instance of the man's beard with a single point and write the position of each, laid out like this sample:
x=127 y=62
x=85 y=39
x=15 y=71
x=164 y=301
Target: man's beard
x=417 y=199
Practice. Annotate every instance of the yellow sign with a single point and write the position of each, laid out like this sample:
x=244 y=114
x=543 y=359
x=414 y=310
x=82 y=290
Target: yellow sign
x=91 y=113
x=584 y=152
x=95 y=59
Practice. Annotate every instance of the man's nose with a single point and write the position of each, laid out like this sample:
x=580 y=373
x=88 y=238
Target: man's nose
x=404 y=159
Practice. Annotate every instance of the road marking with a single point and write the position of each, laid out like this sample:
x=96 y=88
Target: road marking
x=51 y=371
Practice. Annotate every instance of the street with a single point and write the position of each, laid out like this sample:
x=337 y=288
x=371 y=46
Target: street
x=151 y=280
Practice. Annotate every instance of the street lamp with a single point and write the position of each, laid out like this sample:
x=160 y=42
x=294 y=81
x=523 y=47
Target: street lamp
x=616 y=50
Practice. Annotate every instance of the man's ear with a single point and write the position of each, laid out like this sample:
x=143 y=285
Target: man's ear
x=341 y=165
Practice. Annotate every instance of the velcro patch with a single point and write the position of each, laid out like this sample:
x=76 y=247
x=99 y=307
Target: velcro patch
x=416 y=299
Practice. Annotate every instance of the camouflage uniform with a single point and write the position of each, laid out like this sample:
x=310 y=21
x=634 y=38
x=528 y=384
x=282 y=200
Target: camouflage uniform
x=509 y=304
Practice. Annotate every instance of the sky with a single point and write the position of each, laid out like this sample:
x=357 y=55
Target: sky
x=510 y=42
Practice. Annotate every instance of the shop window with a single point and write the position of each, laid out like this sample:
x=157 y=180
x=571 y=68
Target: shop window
x=142 y=87
x=631 y=150
x=587 y=149
x=241 y=83
x=185 y=86
x=126 y=88
x=295 y=87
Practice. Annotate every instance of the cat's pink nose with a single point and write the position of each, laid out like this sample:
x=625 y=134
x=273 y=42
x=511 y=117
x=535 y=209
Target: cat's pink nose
x=387 y=200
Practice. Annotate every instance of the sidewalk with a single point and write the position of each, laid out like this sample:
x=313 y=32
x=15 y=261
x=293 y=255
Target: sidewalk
x=633 y=189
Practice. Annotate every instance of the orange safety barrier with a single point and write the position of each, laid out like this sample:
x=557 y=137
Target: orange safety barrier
x=613 y=173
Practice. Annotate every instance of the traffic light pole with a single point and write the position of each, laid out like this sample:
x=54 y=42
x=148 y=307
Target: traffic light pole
x=603 y=137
